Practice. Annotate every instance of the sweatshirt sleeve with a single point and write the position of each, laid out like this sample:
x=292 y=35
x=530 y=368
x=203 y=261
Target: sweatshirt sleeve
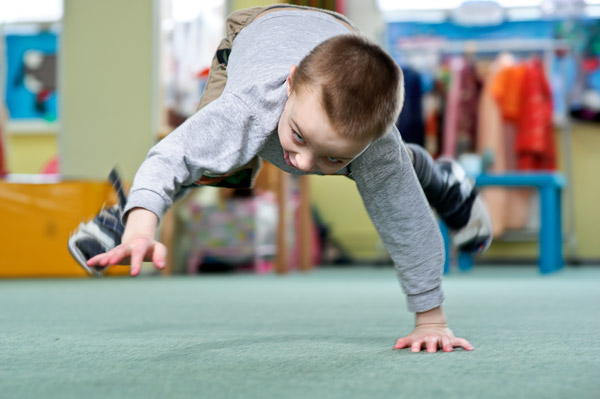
x=224 y=135
x=401 y=214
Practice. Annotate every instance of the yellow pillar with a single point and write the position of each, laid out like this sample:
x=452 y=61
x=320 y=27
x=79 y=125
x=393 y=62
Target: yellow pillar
x=108 y=83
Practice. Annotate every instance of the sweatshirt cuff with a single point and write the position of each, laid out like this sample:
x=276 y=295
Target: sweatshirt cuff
x=147 y=199
x=426 y=300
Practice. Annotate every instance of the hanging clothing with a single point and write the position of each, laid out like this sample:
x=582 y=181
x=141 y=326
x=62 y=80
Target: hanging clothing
x=460 y=125
x=410 y=122
x=434 y=104
x=535 y=145
x=506 y=88
x=466 y=124
x=432 y=110
x=490 y=142
x=498 y=110
x=452 y=108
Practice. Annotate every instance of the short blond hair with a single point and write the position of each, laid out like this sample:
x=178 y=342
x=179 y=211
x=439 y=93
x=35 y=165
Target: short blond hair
x=361 y=86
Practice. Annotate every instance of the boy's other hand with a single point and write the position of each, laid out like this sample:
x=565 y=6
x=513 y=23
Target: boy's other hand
x=133 y=252
x=432 y=333
x=432 y=337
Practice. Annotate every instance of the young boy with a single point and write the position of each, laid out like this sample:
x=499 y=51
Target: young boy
x=306 y=93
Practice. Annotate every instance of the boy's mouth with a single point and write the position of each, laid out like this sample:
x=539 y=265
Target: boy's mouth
x=286 y=156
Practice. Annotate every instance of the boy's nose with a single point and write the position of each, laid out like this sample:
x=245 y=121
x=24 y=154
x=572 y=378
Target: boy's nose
x=305 y=161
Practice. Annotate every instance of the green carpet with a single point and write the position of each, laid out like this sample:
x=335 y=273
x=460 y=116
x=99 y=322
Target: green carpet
x=325 y=334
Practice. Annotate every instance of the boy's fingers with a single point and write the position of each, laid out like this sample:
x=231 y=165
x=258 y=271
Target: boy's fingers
x=106 y=259
x=117 y=254
x=137 y=257
x=432 y=344
x=463 y=343
x=446 y=345
x=94 y=260
x=402 y=343
x=416 y=345
x=159 y=257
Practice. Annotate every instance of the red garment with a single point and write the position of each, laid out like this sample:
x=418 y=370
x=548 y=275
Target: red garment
x=535 y=145
x=466 y=124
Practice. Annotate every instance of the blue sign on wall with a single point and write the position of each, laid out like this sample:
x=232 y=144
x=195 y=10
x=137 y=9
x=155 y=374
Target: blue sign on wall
x=31 y=76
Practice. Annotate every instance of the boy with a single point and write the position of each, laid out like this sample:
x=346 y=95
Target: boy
x=307 y=94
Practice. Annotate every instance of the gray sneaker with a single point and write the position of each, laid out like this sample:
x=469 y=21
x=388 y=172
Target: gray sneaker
x=476 y=234
x=100 y=234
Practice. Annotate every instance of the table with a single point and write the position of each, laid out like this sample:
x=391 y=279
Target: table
x=549 y=185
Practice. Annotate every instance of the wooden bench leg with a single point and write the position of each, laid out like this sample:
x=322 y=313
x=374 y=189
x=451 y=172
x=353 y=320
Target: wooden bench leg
x=281 y=258
x=305 y=225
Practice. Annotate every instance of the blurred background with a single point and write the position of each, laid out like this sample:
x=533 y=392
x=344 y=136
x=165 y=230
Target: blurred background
x=90 y=84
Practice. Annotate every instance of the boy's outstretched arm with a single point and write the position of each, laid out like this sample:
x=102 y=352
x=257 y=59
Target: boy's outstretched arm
x=138 y=244
x=432 y=332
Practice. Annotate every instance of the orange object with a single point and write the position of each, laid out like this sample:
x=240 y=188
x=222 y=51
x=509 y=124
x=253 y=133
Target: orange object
x=37 y=220
x=507 y=89
x=3 y=170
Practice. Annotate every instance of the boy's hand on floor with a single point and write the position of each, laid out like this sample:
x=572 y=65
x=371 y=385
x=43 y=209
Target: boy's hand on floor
x=432 y=337
x=133 y=252
x=432 y=332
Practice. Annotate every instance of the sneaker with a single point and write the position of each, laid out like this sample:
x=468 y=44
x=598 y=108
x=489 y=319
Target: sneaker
x=100 y=234
x=469 y=221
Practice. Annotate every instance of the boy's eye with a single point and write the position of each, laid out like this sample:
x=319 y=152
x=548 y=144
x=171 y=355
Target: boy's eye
x=333 y=160
x=297 y=137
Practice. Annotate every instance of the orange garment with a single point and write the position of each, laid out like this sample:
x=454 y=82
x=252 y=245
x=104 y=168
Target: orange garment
x=506 y=89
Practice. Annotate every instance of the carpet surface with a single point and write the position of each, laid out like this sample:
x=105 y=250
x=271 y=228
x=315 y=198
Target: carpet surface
x=324 y=334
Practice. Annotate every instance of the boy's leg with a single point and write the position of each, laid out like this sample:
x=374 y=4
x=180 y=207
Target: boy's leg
x=102 y=233
x=454 y=198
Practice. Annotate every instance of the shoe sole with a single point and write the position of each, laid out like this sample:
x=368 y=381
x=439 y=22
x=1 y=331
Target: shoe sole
x=79 y=258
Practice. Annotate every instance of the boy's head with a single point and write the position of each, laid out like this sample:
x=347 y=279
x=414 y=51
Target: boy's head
x=350 y=93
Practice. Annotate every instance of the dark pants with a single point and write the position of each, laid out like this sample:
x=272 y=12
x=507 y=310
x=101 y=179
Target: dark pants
x=452 y=199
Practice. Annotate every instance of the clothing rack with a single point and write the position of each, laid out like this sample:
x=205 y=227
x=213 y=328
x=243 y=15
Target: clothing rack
x=483 y=45
x=551 y=50
x=548 y=47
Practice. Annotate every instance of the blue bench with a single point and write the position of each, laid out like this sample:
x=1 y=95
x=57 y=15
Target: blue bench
x=549 y=186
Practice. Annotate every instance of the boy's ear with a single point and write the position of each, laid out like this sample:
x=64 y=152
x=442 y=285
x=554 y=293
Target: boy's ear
x=290 y=79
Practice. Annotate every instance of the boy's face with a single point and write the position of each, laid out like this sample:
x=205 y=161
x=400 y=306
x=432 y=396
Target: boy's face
x=308 y=140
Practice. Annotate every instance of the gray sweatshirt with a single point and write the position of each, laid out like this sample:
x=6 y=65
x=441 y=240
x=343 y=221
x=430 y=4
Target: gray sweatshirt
x=242 y=123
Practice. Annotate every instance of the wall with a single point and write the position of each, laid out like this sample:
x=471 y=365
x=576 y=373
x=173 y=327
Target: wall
x=29 y=152
x=108 y=86
x=367 y=17
x=586 y=163
x=341 y=209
